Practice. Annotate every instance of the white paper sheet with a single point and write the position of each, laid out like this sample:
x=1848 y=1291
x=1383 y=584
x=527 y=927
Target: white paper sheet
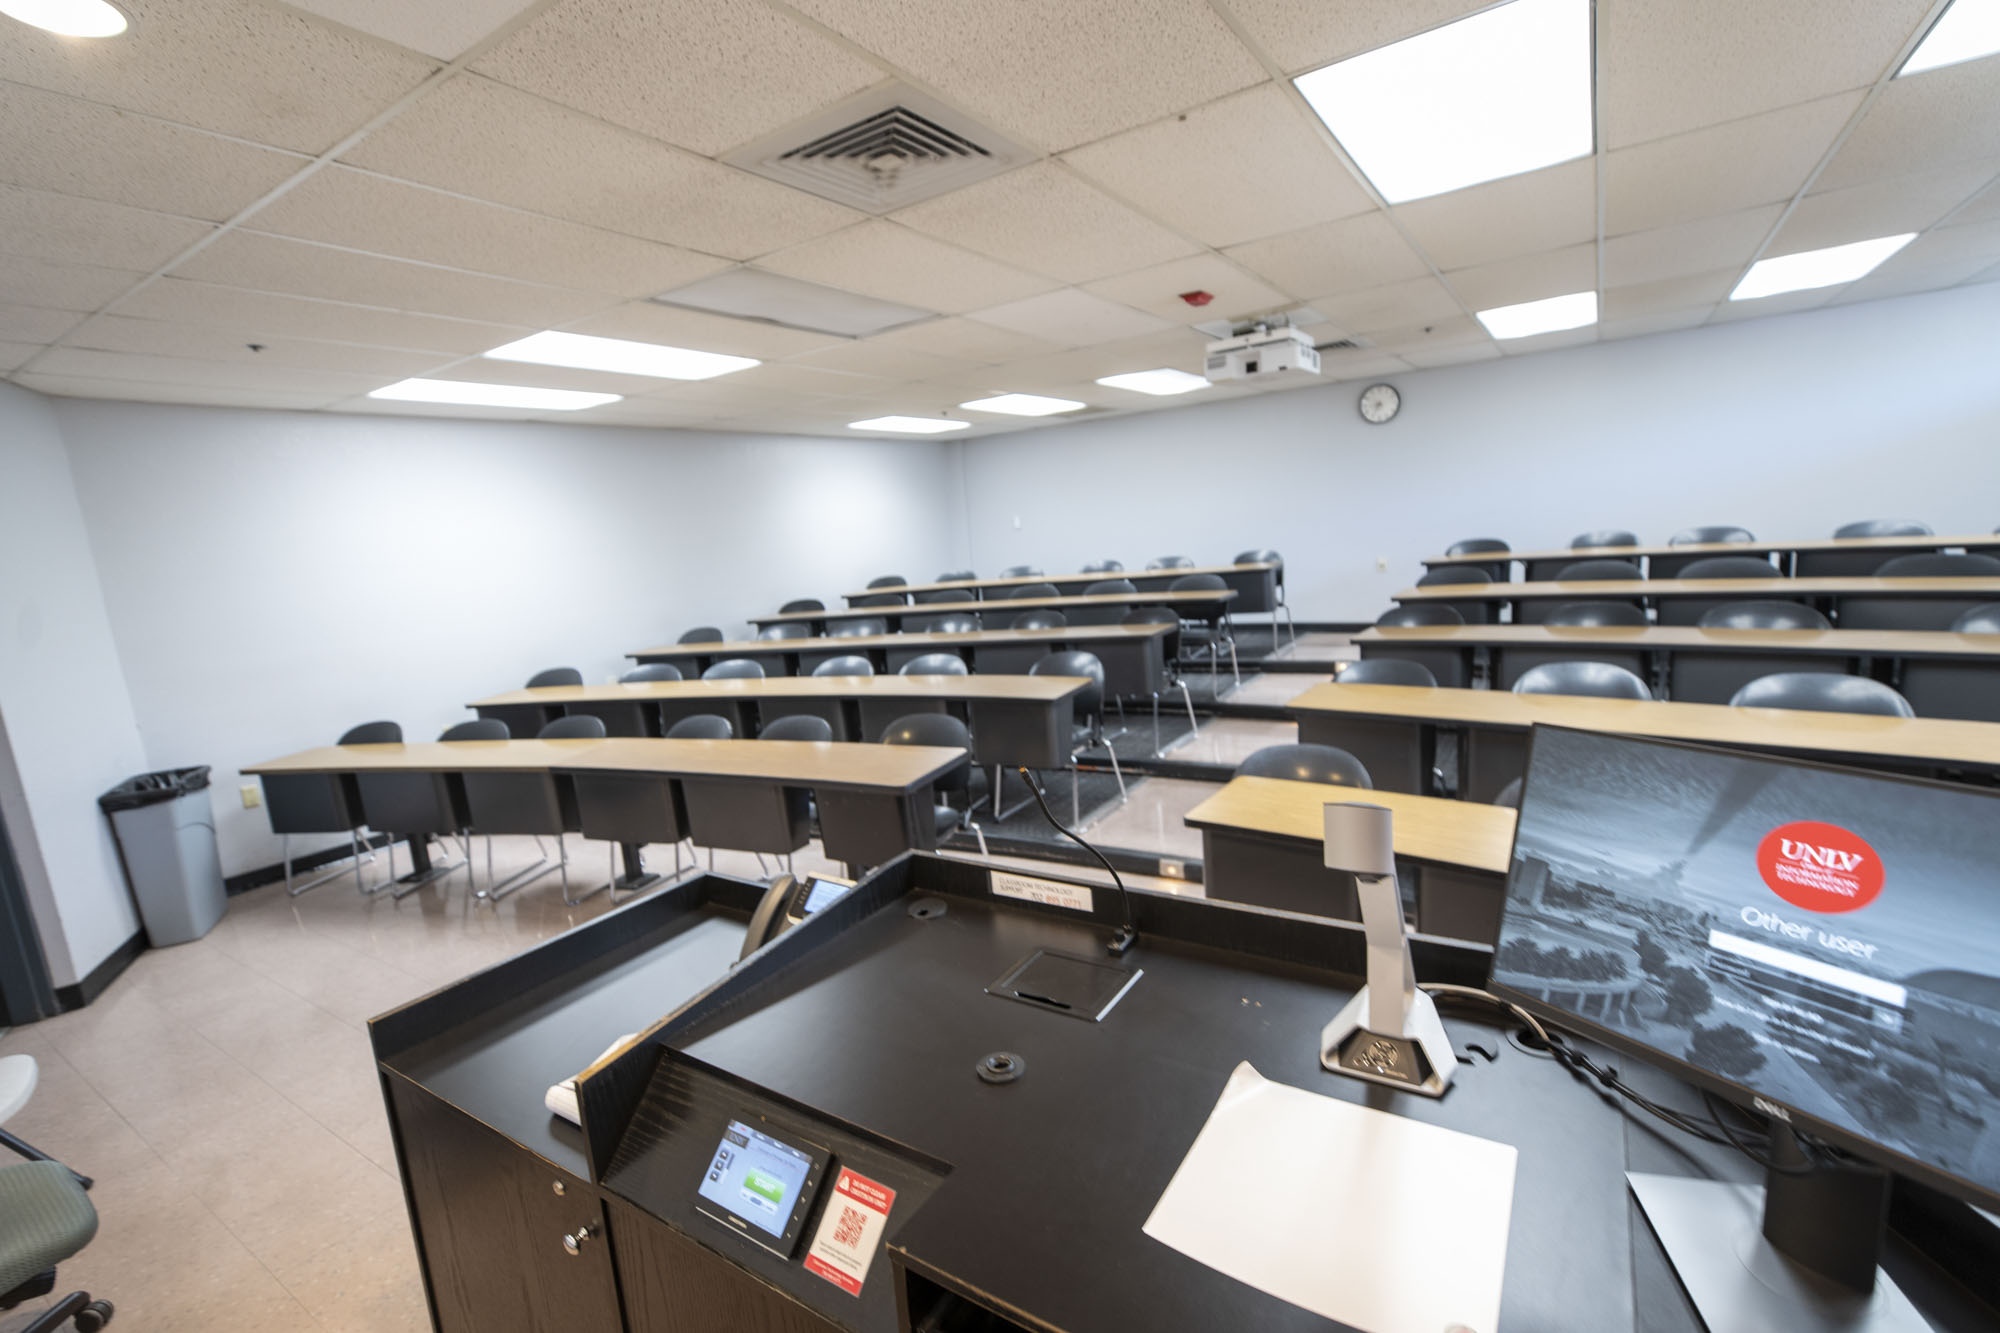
x=1385 y=1223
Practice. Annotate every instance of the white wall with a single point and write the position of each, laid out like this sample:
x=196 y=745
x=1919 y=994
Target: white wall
x=68 y=731
x=274 y=578
x=1788 y=426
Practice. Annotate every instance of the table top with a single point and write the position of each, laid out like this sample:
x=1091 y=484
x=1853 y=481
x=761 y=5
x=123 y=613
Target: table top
x=1985 y=539
x=801 y=763
x=1022 y=580
x=1427 y=828
x=1922 y=739
x=1686 y=638
x=990 y=638
x=1022 y=688
x=1732 y=589
x=1196 y=597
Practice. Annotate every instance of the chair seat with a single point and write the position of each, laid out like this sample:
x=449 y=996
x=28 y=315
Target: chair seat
x=947 y=818
x=49 y=1218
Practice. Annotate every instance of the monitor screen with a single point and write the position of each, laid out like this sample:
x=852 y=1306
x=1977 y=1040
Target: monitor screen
x=756 y=1178
x=1820 y=943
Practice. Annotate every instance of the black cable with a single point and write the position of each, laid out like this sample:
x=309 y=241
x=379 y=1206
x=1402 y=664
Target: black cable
x=1127 y=933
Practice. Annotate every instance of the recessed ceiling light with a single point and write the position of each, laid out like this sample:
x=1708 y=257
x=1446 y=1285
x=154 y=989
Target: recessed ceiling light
x=621 y=356
x=1551 y=315
x=1159 y=383
x=1024 y=405
x=469 y=394
x=1502 y=92
x=909 y=425
x=1817 y=268
x=69 y=18
x=773 y=298
x=1969 y=29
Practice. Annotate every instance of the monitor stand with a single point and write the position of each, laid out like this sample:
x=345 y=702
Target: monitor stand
x=1799 y=1253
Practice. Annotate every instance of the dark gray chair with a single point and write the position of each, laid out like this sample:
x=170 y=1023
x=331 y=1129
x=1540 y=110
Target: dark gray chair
x=1400 y=755
x=943 y=595
x=849 y=664
x=1962 y=688
x=1451 y=666
x=573 y=729
x=958 y=622
x=956 y=576
x=798 y=727
x=1593 y=679
x=1981 y=619
x=878 y=599
x=790 y=629
x=863 y=627
x=1472 y=611
x=1823 y=692
x=1386 y=671
x=1918 y=613
x=1857 y=563
x=1939 y=566
x=945 y=731
x=889 y=581
x=1292 y=878
x=1534 y=611
x=702 y=727
x=1420 y=615
x=1087 y=727
x=701 y=634
x=935 y=664
x=1595 y=615
x=1511 y=661
x=1883 y=527
x=535 y=805
x=1489 y=758
x=1170 y=650
x=1103 y=567
x=1496 y=570
x=802 y=604
x=1690 y=610
x=1712 y=676
x=1034 y=590
x=1020 y=572
x=1280 y=607
x=46 y=1219
x=734 y=668
x=651 y=671
x=1171 y=562
x=1103 y=615
x=1044 y=620
x=479 y=729
x=1105 y=587
x=1762 y=614
x=1306 y=763
x=309 y=803
x=1709 y=535
x=554 y=676
x=1210 y=628
x=1602 y=537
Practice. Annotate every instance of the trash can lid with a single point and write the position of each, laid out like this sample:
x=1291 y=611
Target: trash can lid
x=153 y=788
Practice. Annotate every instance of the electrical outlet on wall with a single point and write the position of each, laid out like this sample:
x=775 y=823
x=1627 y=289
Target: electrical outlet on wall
x=253 y=795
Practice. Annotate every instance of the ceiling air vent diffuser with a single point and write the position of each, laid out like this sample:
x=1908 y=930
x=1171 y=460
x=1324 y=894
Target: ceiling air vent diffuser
x=882 y=150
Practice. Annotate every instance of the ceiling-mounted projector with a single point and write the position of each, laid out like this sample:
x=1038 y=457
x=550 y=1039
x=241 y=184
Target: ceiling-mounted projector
x=1262 y=350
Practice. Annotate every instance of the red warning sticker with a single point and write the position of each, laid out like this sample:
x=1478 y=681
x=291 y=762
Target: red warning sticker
x=1820 y=867
x=850 y=1231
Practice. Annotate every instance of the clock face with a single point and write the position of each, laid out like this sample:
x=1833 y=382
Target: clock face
x=1379 y=402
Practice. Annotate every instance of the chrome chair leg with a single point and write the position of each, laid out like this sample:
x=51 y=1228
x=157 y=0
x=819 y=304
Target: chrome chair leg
x=354 y=854
x=494 y=892
x=605 y=887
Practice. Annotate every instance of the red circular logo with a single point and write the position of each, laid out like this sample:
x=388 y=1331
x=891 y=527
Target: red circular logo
x=1820 y=867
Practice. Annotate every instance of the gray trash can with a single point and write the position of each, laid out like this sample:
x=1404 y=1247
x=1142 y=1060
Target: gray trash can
x=166 y=838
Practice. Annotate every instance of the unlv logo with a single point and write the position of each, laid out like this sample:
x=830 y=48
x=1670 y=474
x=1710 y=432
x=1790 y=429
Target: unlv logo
x=1820 y=867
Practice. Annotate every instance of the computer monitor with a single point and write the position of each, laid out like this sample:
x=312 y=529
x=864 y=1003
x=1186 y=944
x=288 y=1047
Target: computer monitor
x=1818 y=945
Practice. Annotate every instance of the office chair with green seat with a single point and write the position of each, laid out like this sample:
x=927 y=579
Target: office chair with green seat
x=45 y=1218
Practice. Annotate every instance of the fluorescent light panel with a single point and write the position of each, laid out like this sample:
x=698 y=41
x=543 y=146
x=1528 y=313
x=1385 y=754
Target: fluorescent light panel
x=909 y=425
x=620 y=356
x=773 y=298
x=1968 y=30
x=1817 y=268
x=1551 y=315
x=1160 y=383
x=1502 y=92
x=68 y=18
x=466 y=393
x=1023 y=405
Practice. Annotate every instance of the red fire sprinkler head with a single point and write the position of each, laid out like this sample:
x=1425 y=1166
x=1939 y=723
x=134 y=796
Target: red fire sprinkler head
x=1197 y=297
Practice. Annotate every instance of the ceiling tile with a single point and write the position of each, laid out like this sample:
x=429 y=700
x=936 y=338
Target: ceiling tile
x=649 y=321
x=188 y=371
x=1071 y=317
x=798 y=381
x=705 y=74
x=251 y=70
x=1933 y=119
x=1686 y=248
x=966 y=340
x=35 y=224
x=155 y=337
x=1348 y=255
x=1178 y=348
x=1456 y=355
x=880 y=259
x=1520 y=215
x=1548 y=342
x=165 y=391
x=272 y=264
x=341 y=206
x=1157 y=290
x=1527 y=277
x=1986 y=208
x=75 y=147
x=1667 y=68
x=445 y=31
x=1392 y=305
x=1451 y=331
x=1885 y=208
x=35 y=324
x=1640 y=326
x=1783 y=304
x=1054 y=72
x=1943 y=258
x=1700 y=291
x=869 y=358
x=268 y=316
x=1304 y=34
x=1046 y=219
x=61 y=286
x=476 y=137
x=1246 y=166
x=1760 y=159
x=480 y=370
x=15 y=355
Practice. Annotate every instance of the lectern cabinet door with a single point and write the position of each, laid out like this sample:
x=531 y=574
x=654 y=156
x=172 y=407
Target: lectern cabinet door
x=673 y=1285
x=509 y=1242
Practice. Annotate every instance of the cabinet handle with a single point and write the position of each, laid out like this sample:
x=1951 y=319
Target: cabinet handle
x=573 y=1243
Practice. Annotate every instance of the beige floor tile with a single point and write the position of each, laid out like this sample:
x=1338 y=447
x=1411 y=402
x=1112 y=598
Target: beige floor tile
x=1152 y=820
x=1274 y=687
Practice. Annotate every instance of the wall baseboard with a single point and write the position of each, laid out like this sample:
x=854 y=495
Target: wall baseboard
x=101 y=976
x=274 y=873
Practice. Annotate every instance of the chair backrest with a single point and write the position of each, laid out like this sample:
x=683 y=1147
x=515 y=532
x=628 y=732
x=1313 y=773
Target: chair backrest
x=479 y=729
x=1041 y=620
x=555 y=676
x=878 y=599
x=957 y=622
x=702 y=727
x=1884 y=527
x=1262 y=557
x=1089 y=700
x=1424 y=615
x=1584 y=541
x=1385 y=671
x=1822 y=692
x=941 y=729
x=1171 y=562
x=1104 y=587
x=1020 y=572
x=1729 y=567
x=1198 y=583
x=1983 y=619
x=1595 y=615
x=1762 y=615
x=935 y=664
x=734 y=668
x=1939 y=567
x=1035 y=590
x=652 y=671
x=797 y=727
x=1306 y=763
x=789 y=629
x=802 y=604
x=1596 y=571
x=1103 y=567
x=861 y=628
x=1454 y=574
x=1510 y=795
x=701 y=634
x=574 y=727
x=1151 y=615
x=850 y=664
x=1702 y=536
x=372 y=733
x=944 y=595
x=889 y=581
x=1477 y=546
x=955 y=576
x=1599 y=680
